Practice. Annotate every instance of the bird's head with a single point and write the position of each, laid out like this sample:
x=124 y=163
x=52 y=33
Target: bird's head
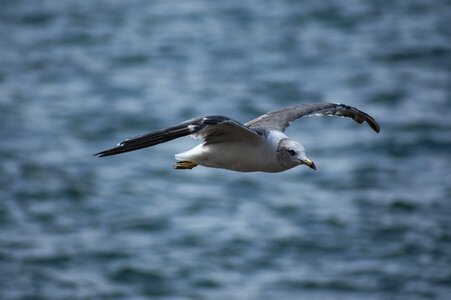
x=291 y=154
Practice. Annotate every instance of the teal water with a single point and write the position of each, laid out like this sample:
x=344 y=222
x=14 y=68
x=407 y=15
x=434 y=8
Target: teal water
x=76 y=77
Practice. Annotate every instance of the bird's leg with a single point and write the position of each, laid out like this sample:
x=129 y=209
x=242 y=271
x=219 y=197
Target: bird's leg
x=184 y=165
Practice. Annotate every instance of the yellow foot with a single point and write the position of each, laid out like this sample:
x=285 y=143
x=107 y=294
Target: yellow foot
x=184 y=165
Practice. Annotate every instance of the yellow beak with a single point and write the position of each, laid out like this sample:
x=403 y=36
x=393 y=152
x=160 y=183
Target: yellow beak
x=308 y=163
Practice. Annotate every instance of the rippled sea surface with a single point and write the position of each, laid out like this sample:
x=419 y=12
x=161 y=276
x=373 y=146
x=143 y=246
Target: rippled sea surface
x=76 y=77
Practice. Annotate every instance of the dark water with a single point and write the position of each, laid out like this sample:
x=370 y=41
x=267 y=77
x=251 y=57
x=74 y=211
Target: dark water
x=76 y=77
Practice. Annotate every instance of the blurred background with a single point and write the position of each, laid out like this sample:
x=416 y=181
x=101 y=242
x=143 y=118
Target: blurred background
x=77 y=77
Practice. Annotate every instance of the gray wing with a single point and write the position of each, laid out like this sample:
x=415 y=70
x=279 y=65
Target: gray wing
x=280 y=119
x=211 y=129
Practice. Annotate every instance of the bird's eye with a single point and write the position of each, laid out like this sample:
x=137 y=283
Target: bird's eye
x=291 y=152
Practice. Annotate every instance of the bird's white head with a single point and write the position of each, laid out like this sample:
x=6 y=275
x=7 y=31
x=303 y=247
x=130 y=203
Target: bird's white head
x=291 y=154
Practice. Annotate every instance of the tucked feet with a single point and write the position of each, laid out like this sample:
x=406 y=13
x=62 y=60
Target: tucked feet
x=184 y=165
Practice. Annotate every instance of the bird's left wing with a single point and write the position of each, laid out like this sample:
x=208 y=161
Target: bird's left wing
x=211 y=129
x=280 y=119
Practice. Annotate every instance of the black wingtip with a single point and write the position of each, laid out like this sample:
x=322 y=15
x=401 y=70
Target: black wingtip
x=112 y=151
x=373 y=124
x=376 y=128
x=100 y=154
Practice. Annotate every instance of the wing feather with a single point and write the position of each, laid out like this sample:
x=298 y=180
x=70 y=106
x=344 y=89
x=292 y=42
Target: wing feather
x=280 y=119
x=211 y=129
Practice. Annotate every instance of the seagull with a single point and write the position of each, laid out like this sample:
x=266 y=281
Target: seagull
x=258 y=145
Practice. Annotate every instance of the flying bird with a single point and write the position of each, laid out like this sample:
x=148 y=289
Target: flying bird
x=258 y=145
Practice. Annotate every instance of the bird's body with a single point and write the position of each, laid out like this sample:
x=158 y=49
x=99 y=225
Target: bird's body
x=258 y=156
x=258 y=145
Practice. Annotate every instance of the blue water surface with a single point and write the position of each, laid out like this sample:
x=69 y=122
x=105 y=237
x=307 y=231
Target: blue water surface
x=76 y=77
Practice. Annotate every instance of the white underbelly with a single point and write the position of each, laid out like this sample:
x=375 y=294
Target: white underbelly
x=236 y=156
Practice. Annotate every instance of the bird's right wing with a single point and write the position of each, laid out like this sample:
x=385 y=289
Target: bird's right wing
x=211 y=129
x=281 y=118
